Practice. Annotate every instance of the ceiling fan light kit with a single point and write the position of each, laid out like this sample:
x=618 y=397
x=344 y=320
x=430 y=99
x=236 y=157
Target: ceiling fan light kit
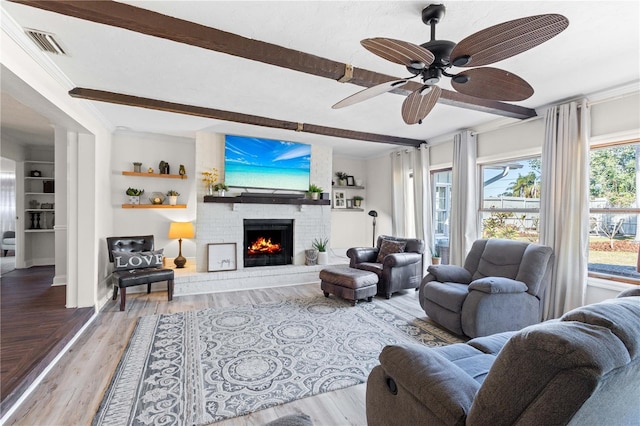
x=432 y=60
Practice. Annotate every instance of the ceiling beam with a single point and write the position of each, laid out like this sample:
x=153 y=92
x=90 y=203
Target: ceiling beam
x=236 y=117
x=155 y=24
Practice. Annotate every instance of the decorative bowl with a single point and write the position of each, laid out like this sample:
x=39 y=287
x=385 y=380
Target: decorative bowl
x=157 y=198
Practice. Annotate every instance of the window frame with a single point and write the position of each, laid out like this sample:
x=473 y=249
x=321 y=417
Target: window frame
x=614 y=210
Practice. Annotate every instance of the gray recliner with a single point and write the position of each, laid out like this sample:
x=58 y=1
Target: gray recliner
x=500 y=288
x=583 y=369
x=396 y=271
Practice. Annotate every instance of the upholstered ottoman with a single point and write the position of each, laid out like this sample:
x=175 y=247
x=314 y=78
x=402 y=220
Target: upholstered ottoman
x=348 y=283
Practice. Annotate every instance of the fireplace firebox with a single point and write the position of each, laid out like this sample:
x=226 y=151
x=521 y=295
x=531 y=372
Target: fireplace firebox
x=268 y=242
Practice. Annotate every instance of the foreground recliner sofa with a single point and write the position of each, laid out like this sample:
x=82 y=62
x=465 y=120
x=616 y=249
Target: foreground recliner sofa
x=583 y=369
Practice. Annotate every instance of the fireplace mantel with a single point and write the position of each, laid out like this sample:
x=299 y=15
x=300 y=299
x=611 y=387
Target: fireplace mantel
x=265 y=200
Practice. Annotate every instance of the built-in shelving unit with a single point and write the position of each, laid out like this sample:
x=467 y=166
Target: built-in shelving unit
x=39 y=189
x=347 y=189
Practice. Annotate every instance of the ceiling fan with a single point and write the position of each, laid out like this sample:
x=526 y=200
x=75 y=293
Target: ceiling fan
x=432 y=60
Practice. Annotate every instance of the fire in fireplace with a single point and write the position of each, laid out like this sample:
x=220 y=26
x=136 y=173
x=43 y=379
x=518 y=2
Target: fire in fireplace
x=268 y=242
x=263 y=246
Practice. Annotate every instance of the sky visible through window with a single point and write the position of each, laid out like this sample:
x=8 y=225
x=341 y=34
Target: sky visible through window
x=499 y=187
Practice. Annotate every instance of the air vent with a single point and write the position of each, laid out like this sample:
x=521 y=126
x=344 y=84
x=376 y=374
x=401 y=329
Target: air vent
x=45 y=41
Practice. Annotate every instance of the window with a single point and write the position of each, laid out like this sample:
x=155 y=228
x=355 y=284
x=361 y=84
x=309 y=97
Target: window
x=441 y=182
x=614 y=208
x=511 y=199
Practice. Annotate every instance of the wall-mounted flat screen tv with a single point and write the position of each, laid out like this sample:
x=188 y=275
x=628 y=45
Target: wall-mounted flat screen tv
x=265 y=163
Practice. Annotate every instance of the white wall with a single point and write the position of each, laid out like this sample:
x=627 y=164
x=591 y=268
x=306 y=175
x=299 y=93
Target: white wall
x=349 y=227
x=94 y=214
x=150 y=149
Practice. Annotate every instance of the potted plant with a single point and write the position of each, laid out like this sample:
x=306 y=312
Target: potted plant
x=134 y=195
x=320 y=244
x=173 y=197
x=357 y=201
x=210 y=177
x=137 y=167
x=221 y=188
x=435 y=256
x=314 y=191
x=342 y=178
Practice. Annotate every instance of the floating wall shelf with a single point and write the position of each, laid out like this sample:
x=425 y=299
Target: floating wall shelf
x=154 y=175
x=153 y=206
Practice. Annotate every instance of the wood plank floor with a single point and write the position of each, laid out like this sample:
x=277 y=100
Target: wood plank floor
x=73 y=390
x=34 y=327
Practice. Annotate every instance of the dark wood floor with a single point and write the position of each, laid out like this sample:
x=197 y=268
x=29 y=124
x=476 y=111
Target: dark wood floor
x=34 y=327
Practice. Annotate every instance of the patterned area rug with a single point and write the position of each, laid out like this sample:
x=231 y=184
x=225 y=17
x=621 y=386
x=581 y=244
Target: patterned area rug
x=199 y=367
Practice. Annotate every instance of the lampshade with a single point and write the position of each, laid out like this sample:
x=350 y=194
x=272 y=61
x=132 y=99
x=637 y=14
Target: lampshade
x=181 y=230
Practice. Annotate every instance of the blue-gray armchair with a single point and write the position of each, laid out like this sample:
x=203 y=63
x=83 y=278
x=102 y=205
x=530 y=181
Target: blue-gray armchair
x=500 y=288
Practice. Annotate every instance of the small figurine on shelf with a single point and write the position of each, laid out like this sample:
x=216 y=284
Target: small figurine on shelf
x=150 y=170
x=182 y=171
x=163 y=168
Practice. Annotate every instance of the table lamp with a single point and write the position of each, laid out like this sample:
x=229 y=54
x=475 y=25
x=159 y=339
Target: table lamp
x=181 y=230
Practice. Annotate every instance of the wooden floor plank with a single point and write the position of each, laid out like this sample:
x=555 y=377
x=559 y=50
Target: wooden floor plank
x=34 y=326
x=73 y=390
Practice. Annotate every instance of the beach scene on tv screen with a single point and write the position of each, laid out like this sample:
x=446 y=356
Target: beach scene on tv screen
x=265 y=163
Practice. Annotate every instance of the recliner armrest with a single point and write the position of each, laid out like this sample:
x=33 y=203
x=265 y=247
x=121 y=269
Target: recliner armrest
x=498 y=285
x=362 y=254
x=401 y=259
x=432 y=379
x=450 y=273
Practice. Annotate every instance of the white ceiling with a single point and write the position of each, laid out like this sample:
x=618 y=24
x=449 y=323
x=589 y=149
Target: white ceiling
x=599 y=50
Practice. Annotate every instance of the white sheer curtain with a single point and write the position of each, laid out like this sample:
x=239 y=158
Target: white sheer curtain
x=464 y=229
x=564 y=207
x=401 y=164
x=7 y=201
x=423 y=200
x=412 y=198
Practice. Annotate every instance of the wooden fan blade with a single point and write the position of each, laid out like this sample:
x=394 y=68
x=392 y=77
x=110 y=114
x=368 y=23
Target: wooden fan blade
x=398 y=51
x=419 y=104
x=369 y=93
x=492 y=83
x=505 y=40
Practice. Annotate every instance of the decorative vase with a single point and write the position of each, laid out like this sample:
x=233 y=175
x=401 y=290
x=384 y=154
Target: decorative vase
x=314 y=195
x=311 y=257
x=173 y=200
x=435 y=260
x=357 y=203
x=134 y=199
x=323 y=258
x=210 y=190
x=342 y=182
x=220 y=192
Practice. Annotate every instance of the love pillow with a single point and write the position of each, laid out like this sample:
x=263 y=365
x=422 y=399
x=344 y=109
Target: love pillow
x=135 y=260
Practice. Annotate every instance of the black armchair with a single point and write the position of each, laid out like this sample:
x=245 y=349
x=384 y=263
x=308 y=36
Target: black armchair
x=136 y=263
x=398 y=269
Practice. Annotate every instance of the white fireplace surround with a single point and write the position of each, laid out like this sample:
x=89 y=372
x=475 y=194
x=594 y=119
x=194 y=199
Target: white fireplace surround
x=223 y=223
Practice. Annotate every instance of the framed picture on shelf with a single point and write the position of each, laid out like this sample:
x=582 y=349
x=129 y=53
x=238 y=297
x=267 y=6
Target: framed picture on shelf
x=349 y=203
x=339 y=200
x=221 y=257
x=351 y=181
